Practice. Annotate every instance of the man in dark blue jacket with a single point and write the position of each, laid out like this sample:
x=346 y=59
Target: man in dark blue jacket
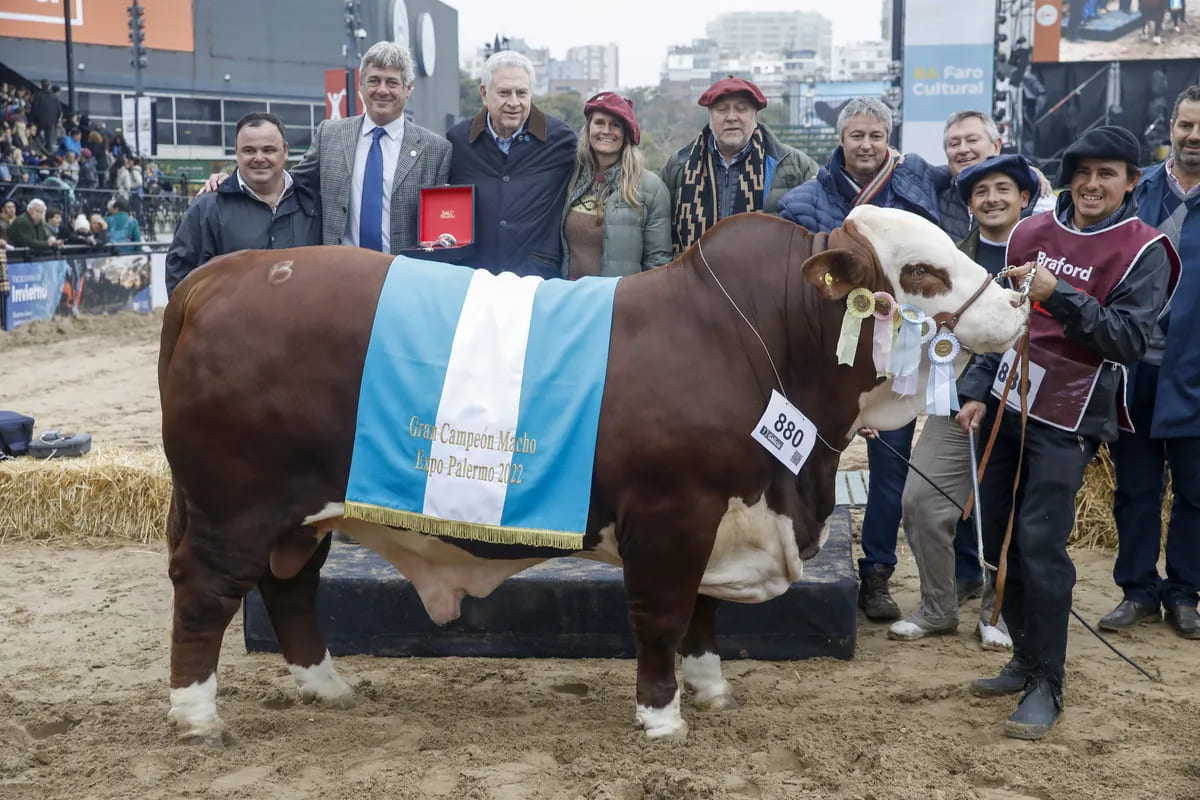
x=519 y=160
x=258 y=209
x=864 y=170
x=1164 y=403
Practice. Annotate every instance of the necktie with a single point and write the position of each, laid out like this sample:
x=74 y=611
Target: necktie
x=370 y=211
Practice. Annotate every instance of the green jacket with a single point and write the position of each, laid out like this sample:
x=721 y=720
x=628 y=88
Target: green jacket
x=633 y=240
x=970 y=245
x=24 y=232
x=792 y=168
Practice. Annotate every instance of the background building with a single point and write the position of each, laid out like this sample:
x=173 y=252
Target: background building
x=772 y=32
x=599 y=63
x=211 y=61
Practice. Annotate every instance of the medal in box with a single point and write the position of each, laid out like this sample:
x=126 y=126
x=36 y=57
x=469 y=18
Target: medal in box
x=446 y=217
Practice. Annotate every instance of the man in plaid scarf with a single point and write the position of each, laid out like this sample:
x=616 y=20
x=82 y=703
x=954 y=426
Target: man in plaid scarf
x=736 y=164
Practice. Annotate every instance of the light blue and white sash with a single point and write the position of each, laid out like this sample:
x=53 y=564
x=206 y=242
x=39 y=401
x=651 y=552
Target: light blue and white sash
x=479 y=404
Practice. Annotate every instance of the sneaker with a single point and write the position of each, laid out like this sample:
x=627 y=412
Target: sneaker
x=913 y=628
x=992 y=637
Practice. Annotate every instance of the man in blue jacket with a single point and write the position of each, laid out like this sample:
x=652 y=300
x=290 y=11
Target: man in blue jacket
x=863 y=170
x=1164 y=403
x=519 y=160
x=259 y=208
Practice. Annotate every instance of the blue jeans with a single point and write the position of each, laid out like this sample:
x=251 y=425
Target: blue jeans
x=881 y=522
x=1140 y=465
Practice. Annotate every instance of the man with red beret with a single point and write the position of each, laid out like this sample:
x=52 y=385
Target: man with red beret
x=736 y=164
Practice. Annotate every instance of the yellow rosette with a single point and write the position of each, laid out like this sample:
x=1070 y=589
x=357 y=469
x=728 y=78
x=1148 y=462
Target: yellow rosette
x=860 y=304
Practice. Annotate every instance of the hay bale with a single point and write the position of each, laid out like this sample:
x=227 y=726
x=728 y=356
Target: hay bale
x=109 y=496
x=1094 y=524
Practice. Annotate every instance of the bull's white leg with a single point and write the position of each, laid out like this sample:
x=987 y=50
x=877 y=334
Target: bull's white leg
x=702 y=674
x=659 y=722
x=321 y=683
x=194 y=711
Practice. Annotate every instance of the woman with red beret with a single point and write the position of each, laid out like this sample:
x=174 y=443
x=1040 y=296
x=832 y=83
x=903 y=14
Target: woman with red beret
x=617 y=219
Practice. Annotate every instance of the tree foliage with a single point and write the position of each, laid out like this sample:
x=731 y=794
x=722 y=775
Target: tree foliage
x=567 y=106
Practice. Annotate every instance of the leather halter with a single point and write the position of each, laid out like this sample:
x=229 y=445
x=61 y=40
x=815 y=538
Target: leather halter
x=948 y=321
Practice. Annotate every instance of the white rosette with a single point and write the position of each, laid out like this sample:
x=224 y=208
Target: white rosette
x=941 y=394
x=885 y=332
x=906 y=354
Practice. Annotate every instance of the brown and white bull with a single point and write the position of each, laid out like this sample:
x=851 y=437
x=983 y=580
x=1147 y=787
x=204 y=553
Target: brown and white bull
x=261 y=360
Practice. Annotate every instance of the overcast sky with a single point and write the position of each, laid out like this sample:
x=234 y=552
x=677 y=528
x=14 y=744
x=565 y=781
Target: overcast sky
x=643 y=29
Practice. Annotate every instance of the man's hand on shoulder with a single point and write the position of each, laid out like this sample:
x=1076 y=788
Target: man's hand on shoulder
x=214 y=180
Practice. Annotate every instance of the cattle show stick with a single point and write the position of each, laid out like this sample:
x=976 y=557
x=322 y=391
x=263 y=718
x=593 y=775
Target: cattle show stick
x=979 y=525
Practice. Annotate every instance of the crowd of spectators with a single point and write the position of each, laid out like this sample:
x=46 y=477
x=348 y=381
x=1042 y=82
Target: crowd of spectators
x=78 y=166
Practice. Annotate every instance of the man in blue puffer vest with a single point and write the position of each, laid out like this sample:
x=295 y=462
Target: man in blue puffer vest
x=1164 y=400
x=864 y=170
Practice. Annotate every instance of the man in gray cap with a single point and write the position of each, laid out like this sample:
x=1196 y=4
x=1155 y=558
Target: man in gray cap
x=1099 y=277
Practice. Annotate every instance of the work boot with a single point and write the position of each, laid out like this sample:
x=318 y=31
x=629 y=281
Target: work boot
x=1128 y=614
x=874 y=598
x=1011 y=680
x=1038 y=711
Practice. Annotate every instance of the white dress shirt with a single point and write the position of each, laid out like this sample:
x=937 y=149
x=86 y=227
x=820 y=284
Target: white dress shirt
x=390 y=144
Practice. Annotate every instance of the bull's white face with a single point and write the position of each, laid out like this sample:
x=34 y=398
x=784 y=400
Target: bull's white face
x=927 y=270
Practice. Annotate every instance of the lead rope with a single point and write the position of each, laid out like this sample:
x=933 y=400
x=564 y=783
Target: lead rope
x=753 y=330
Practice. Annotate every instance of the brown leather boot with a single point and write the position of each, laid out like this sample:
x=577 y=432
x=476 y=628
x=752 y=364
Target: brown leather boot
x=874 y=598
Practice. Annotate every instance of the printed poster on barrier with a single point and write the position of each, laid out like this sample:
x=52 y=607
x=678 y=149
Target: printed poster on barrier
x=96 y=285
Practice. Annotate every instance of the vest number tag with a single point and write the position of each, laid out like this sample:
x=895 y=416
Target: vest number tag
x=1009 y=372
x=785 y=433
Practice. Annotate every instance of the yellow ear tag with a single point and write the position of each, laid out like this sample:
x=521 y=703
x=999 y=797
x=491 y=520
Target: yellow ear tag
x=828 y=279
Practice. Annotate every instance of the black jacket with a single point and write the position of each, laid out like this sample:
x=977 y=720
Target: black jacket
x=45 y=109
x=1119 y=331
x=519 y=197
x=229 y=219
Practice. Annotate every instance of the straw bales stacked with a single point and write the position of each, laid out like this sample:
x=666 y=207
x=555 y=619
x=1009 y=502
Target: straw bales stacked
x=109 y=496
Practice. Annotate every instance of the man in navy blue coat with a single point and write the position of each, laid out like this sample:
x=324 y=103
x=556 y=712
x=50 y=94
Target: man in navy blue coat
x=1164 y=403
x=519 y=160
x=863 y=170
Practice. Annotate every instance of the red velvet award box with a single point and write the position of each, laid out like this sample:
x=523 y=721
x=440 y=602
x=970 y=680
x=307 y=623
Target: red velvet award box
x=446 y=209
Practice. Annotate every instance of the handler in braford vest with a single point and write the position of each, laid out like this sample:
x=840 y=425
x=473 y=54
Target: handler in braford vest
x=1100 y=279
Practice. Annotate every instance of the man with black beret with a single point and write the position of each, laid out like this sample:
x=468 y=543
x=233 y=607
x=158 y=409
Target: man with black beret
x=1098 y=277
x=996 y=191
x=1164 y=403
x=736 y=164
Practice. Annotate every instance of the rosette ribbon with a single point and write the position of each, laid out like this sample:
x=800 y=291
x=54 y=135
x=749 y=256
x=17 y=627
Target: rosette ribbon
x=885 y=313
x=860 y=304
x=906 y=354
x=941 y=394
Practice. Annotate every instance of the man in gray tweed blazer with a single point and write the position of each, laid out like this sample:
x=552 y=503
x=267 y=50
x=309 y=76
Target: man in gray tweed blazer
x=340 y=157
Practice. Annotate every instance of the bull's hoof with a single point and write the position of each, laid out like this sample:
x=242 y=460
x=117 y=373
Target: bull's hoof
x=661 y=723
x=206 y=733
x=321 y=684
x=714 y=702
x=676 y=731
x=339 y=700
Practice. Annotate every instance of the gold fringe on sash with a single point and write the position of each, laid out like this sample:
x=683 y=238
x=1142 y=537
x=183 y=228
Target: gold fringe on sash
x=474 y=531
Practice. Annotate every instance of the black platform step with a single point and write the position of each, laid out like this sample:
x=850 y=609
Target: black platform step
x=565 y=608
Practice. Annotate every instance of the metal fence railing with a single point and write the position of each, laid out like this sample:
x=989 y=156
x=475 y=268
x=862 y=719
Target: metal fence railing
x=158 y=214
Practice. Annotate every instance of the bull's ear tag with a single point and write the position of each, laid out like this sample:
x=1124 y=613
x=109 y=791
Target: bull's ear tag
x=785 y=433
